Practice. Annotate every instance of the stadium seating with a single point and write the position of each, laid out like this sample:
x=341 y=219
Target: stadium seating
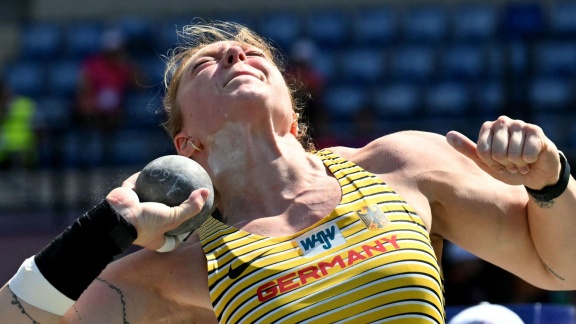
x=26 y=77
x=83 y=39
x=143 y=109
x=409 y=61
x=345 y=100
x=412 y=63
x=283 y=28
x=463 y=61
x=475 y=22
x=375 y=26
x=562 y=22
x=54 y=112
x=447 y=98
x=426 y=24
x=555 y=58
x=396 y=100
x=361 y=65
x=41 y=41
x=62 y=78
x=329 y=28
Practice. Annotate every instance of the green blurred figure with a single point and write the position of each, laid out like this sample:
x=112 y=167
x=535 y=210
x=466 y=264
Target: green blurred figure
x=17 y=129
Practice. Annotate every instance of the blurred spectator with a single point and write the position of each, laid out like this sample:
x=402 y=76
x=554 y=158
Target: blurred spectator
x=17 y=129
x=311 y=81
x=104 y=82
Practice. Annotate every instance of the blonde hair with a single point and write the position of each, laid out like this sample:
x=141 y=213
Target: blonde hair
x=198 y=35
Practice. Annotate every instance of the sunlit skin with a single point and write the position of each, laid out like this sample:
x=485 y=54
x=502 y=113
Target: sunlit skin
x=246 y=121
x=238 y=112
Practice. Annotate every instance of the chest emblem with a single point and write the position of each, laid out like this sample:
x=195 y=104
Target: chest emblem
x=373 y=217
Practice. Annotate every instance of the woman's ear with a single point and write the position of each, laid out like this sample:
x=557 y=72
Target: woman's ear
x=181 y=143
x=294 y=126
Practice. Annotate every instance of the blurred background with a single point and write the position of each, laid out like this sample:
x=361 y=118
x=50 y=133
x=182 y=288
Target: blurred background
x=81 y=91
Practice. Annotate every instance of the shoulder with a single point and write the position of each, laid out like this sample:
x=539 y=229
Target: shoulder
x=406 y=150
x=421 y=166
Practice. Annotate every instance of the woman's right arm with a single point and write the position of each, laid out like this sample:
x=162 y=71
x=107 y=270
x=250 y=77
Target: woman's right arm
x=15 y=310
x=47 y=285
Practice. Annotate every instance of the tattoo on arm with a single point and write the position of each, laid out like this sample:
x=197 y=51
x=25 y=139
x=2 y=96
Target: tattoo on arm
x=544 y=204
x=17 y=303
x=554 y=273
x=121 y=294
x=77 y=313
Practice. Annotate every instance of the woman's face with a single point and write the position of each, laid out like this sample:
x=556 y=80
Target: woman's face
x=228 y=82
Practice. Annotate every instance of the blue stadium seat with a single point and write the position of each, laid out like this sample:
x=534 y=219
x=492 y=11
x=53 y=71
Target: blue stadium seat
x=447 y=98
x=84 y=39
x=523 y=19
x=412 y=62
x=495 y=60
x=556 y=125
x=489 y=98
x=425 y=24
x=55 y=112
x=82 y=148
x=363 y=66
x=555 y=58
x=326 y=63
x=396 y=100
x=343 y=101
x=165 y=35
x=375 y=26
x=475 y=22
x=26 y=77
x=135 y=27
x=571 y=133
x=282 y=28
x=62 y=78
x=152 y=70
x=137 y=31
x=463 y=61
x=138 y=147
x=550 y=94
x=143 y=109
x=328 y=28
x=41 y=41
x=562 y=15
x=518 y=57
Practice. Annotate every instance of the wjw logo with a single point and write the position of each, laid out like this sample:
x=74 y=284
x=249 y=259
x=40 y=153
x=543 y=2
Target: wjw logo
x=321 y=239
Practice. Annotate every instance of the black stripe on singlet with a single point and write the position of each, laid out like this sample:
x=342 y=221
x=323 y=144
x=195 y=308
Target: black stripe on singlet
x=433 y=265
x=225 y=277
x=391 y=277
x=392 y=303
x=231 y=241
x=225 y=265
x=367 y=240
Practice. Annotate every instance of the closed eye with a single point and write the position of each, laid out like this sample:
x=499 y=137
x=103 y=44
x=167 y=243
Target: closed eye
x=255 y=53
x=200 y=62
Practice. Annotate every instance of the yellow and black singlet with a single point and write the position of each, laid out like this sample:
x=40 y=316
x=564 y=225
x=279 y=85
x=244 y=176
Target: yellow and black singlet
x=369 y=261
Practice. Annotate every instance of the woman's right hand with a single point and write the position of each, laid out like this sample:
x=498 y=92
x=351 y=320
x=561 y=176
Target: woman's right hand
x=152 y=219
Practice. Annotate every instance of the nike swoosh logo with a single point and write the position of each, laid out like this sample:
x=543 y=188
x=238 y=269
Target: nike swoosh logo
x=234 y=273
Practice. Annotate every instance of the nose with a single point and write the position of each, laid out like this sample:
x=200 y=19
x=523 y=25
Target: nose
x=233 y=55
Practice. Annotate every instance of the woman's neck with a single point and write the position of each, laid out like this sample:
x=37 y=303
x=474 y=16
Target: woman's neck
x=259 y=176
